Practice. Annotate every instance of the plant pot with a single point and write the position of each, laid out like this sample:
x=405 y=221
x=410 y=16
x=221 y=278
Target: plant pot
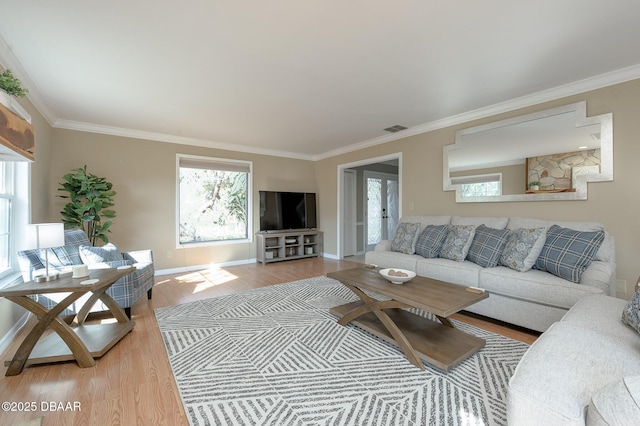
x=534 y=187
x=12 y=105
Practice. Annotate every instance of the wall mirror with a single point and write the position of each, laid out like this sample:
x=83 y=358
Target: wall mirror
x=546 y=155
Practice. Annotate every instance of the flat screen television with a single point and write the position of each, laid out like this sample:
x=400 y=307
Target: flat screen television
x=281 y=211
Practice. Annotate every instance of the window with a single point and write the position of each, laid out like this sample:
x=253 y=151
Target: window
x=479 y=185
x=14 y=189
x=213 y=200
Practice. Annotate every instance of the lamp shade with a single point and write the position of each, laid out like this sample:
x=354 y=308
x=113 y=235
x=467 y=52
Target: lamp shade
x=46 y=235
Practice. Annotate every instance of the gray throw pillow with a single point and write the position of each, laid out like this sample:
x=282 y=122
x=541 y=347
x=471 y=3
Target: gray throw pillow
x=405 y=238
x=631 y=313
x=567 y=253
x=430 y=240
x=522 y=248
x=106 y=253
x=456 y=245
x=487 y=246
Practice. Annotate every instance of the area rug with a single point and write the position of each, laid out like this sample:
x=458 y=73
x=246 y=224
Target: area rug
x=276 y=356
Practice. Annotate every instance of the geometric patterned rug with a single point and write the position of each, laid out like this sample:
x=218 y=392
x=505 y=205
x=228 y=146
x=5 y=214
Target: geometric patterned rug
x=276 y=356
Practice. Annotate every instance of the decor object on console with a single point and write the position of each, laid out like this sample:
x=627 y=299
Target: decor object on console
x=126 y=291
x=45 y=236
x=534 y=299
x=584 y=369
x=90 y=198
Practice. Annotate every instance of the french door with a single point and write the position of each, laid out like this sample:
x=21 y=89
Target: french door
x=381 y=206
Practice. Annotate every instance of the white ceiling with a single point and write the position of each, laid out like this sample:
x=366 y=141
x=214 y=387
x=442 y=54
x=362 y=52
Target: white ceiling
x=307 y=79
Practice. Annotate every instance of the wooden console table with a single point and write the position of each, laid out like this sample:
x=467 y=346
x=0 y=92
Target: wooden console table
x=75 y=341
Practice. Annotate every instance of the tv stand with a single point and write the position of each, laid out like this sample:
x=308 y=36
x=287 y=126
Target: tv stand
x=276 y=246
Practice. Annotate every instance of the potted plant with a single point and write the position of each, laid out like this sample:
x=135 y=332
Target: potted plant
x=11 y=85
x=534 y=185
x=91 y=197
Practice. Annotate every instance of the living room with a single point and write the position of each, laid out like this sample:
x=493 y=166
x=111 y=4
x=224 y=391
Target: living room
x=143 y=172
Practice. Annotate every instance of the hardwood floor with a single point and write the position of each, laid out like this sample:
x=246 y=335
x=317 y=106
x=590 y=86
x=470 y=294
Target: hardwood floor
x=133 y=384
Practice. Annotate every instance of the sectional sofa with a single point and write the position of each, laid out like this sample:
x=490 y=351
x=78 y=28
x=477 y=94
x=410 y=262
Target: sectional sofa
x=584 y=370
x=533 y=298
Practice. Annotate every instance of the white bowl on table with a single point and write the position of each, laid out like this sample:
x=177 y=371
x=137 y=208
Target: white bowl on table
x=406 y=275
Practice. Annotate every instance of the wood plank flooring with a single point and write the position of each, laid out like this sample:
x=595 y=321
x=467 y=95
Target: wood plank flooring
x=133 y=384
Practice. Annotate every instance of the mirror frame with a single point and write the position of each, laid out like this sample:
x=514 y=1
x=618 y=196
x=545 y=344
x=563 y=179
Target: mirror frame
x=580 y=109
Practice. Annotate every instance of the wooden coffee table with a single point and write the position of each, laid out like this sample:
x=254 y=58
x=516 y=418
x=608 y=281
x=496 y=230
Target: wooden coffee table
x=77 y=341
x=438 y=343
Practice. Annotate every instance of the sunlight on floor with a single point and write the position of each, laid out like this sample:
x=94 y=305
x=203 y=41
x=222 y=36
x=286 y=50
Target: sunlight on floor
x=207 y=278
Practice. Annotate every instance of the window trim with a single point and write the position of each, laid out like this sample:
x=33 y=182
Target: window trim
x=238 y=165
x=459 y=181
x=20 y=216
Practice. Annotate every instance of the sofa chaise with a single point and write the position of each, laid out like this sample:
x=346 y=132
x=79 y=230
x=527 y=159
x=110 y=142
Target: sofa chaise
x=585 y=369
x=533 y=298
x=78 y=250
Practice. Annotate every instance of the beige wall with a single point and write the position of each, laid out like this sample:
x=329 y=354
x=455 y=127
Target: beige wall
x=615 y=204
x=143 y=174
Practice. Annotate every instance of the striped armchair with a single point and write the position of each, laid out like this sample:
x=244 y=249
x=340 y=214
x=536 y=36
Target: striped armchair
x=126 y=291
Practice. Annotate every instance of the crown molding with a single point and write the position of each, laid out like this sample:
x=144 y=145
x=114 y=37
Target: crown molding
x=570 y=89
x=162 y=137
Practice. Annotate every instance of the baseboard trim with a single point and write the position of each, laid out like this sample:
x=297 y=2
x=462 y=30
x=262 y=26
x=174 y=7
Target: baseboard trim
x=192 y=268
x=13 y=332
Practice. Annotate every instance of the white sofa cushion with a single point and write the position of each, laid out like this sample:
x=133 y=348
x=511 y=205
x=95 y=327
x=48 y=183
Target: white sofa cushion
x=461 y=273
x=491 y=222
x=554 y=381
x=534 y=286
x=427 y=220
x=602 y=313
x=392 y=259
x=601 y=275
x=616 y=404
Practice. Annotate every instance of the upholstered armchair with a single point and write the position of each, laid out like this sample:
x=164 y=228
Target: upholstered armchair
x=77 y=251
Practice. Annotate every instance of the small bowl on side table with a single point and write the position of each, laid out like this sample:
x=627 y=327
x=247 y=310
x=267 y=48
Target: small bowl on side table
x=397 y=276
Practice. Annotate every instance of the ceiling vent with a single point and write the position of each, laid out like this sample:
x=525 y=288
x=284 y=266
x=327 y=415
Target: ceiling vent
x=395 y=128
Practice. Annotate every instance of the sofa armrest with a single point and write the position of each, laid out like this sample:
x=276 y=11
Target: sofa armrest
x=601 y=275
x=384 y=245
x=139 y=256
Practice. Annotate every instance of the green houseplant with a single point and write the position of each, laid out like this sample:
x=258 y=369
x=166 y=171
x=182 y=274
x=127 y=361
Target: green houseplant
x=90 y=198
x=10 y=84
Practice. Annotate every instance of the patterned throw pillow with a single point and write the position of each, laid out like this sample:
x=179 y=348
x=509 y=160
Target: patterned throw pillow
x=430 y=240
x=405 y=238
x=567 y=252
x=456 y=245
x=106 y=253
x=487 y=246
x=522 y=248
x=631 y=314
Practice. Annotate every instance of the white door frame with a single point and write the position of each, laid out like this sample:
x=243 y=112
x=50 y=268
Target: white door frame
x=340 y=183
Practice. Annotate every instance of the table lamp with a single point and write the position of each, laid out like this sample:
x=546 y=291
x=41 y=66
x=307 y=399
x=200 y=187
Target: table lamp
x=45 y=236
